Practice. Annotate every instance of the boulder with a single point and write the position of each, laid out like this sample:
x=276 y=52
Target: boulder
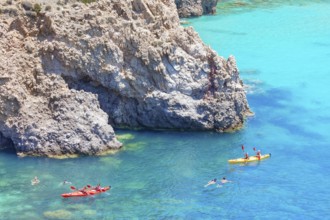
x=191 y=8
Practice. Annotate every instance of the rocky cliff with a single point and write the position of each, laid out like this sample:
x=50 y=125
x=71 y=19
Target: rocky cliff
x=189 y=8
x=70 y=71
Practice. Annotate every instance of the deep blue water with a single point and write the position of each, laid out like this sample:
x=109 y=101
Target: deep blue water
x=283 y=53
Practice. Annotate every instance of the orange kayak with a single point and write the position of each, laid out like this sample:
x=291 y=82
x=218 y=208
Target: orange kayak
x=86 y=192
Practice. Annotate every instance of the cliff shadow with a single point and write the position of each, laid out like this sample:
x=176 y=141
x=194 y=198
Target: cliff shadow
x=6 y=145
x=105 y=96
x=277 y=106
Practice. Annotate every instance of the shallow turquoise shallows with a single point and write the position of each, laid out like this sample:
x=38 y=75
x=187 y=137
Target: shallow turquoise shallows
x=283 y=53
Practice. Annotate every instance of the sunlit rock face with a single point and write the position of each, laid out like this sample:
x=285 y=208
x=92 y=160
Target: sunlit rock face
x=72 y=71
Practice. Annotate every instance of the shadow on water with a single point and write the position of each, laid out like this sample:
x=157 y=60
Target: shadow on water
x=250 y=71
x=324 y=119
x=222 y=31
x=242 y=167
x=280 y=101
x=274 y=98
x=8 y=150
x=295 y=129
x=79 y=200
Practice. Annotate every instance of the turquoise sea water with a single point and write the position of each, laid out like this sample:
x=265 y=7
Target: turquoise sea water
x=283 y=53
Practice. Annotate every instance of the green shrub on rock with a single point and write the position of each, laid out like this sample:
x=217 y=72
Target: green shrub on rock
x=37 y=8
x=87 y=1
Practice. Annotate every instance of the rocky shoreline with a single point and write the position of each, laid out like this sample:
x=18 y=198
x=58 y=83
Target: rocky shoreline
x=70 y=72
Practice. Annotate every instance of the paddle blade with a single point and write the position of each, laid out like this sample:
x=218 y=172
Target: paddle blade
x=73 y=188
x=254 y=149
x=89 y=186
x=242 y=147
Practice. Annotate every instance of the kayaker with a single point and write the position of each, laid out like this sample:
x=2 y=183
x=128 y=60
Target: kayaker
x=35 y=181
x=214 y=181
x=83 y=190
x=246 y=156
x=98 y=187
x=258 y=154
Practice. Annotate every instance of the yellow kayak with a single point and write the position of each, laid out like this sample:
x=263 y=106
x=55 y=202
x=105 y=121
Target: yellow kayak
x=250 y=159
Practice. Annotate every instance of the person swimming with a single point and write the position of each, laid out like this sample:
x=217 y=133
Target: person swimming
x=224 y=180
x=66 y=182
x=35 y=181
x=214 y=181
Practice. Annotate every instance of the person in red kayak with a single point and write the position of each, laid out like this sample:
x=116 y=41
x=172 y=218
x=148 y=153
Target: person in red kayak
x=98 y=187
x=84 y=190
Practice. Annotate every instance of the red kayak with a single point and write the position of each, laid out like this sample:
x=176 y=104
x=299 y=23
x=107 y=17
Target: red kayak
x=87 y=192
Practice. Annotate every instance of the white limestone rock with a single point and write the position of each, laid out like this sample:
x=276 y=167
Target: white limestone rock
x=70 y=74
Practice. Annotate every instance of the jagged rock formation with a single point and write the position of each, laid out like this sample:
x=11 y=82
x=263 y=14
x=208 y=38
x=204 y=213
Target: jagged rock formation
x=69 y=71
x=38 y=112
x=189 y=8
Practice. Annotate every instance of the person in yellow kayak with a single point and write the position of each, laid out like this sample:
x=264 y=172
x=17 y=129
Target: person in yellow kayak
x=246 y=156
x=258 y=154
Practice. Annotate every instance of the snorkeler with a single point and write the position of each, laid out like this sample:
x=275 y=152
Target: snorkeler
x=35 y=181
